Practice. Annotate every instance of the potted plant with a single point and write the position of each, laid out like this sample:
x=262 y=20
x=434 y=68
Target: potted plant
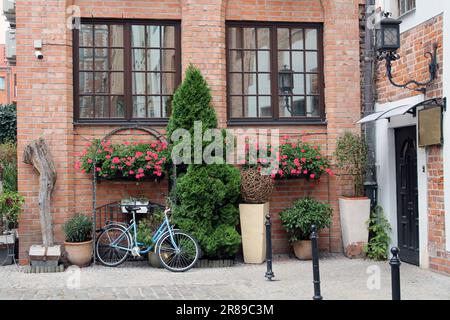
x=255 y=190
x=141 y=202
x=78 y=244
x=298 y=221
x=351 y=159
x=10 y=209
x=145 y=230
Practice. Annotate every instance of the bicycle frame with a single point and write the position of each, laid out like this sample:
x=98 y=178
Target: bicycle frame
x=163 y=228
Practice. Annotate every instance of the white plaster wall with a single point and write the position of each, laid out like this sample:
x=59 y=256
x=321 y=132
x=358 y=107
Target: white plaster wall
x=386 y=173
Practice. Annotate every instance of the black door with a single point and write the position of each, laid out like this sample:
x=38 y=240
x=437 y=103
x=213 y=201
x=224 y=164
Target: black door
x=407 y=195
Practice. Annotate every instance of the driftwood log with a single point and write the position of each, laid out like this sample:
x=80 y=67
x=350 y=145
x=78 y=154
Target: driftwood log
x=38 y=155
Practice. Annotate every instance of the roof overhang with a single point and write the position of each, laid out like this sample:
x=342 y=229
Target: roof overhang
x=402 y=110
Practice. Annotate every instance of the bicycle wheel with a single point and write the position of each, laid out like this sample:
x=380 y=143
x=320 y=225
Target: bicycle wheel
x=181 y=259
x=112 y=247
x=6 y=249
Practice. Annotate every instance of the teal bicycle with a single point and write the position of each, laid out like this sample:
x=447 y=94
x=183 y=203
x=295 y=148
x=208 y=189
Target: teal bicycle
x=177 y=251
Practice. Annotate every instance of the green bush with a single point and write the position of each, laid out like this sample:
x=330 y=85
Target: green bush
x=207 y=198
x=378 y=246
x=8 y=123
x=78 y=228
x=299 y=219
x=8 y=166
x=147 y=226
x=10 y=208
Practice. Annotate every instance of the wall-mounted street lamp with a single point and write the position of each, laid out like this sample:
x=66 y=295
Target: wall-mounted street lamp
x=387 y=44
x=286 y=84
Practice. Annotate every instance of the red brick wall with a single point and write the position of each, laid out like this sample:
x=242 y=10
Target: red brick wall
x=414 y=65
x=45 y=103
x=7 y=95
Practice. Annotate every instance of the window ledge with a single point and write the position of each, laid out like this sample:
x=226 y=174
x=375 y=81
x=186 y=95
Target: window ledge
x=276 y=122
x=156 y=123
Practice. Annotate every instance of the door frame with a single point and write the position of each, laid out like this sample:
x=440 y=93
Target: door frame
x=387 y=177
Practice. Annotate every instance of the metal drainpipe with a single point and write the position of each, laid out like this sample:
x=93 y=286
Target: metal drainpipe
x=370 y=183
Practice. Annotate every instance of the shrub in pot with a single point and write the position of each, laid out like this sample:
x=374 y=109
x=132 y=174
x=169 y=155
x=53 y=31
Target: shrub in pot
x=298 y=221
x=351 y=159
x=78 y=244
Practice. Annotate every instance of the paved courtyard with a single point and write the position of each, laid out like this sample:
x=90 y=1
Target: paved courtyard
x=341 y=278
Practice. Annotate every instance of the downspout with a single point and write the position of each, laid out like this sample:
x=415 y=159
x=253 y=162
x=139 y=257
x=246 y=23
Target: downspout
x=370 y=183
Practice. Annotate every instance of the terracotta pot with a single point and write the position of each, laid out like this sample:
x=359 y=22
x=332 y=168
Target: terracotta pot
x=79 y=253
x=153 y=260
x=302 y=249
x=253 y=229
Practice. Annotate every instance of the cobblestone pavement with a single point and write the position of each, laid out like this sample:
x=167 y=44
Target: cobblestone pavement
x=341 y=278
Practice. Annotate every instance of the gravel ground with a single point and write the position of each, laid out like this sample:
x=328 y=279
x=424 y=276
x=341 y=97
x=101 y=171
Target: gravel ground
x=341 y=278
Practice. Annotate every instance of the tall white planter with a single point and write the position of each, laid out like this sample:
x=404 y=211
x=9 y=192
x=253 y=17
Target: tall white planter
x=354 y=213
x=253 y=231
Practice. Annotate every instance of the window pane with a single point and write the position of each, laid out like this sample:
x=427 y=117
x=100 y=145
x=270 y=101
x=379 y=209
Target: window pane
x=236 y=107
x=138 y=36
x=153 y=60
x=167 y=106
x=117 y=107
x=235 y=35
x=250 y=83
x=235 y=60
x=263 y=61
x=297 y=61
x=264 y=83
x=168 y=83
x=249 y=38
x=311 y=62
x=284 y=104
x=297 y=39
x=117 y=83
x=154 y=106
x=86 y=38
x=116 y=36
x=101 y=35
x=153 y=36
x=86 y=61
x=86 y=82
x=138 y=83
x=168 y=36
x=284 y=60
x=168 y=60
x=101 y=59
x=153 y=83
x=263 y=38
x=86 y=107
x=139 y=59
x=311 y=39
x=283 y=38
x=312 y=109
x=101 y=82
x=298 y=106
x=116 y=60
x=264 y=103
x=299 y=84
x=250 y=61
x=101 y=107
x=139 y=107
x=235 y=83
x=312 y=84
x=250 y=106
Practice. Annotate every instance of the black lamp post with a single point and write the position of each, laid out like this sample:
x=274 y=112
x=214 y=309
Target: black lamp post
x=387 y=44
x=286 y=84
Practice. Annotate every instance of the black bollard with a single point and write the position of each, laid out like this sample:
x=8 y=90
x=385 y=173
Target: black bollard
x=395 y=273
x=269 y=273
x=315 y=260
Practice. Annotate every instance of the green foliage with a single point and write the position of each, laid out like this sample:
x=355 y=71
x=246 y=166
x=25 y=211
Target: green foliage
x=10 y=208
x=207 y=198
x=78 y=228
x=306 y=212
x=378 y=246
x=8 y=166
x=147 y=226
x=191 y=102
x=8 y=123
x=351 y=155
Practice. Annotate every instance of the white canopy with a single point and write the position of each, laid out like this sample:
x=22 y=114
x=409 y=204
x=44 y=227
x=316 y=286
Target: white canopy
x=396 y=111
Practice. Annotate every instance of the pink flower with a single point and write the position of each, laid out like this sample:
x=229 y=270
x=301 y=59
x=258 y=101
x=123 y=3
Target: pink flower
x=284 y=163
x=131 y=172
x=284 y=157
x=148 y=167
x=98 y=169
x=77 y=165
x=126 y=143
x=293 y=171
x=303 y=150
x=116 y=160
x=138 y=154
x=312 y=175
x=99 y=151
x=316 y=147
x=303 y=159
x=83 y=171
x=140 y=170
x=327 y=170
x=88 y=144
x=318 y=157
x=108 y=156
x=305 y=171
x=90 y=161
x=128 y=163
x=293 y=145
x=153 y=145
x=113 y=167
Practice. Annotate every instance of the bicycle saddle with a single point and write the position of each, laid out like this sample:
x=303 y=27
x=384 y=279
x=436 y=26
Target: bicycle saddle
x=132 y=208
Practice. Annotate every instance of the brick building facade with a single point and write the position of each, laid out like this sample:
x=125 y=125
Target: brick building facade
x=46 y=93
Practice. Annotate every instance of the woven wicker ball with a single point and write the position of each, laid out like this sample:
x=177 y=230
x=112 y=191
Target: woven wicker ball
x=255 y=188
